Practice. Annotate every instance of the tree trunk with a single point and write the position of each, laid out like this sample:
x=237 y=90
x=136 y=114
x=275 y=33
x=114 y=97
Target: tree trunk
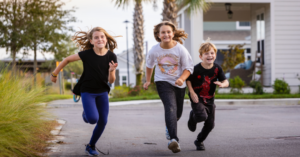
x=170 y=11
x=14 y=68
x=138 y=37
x=34 y=63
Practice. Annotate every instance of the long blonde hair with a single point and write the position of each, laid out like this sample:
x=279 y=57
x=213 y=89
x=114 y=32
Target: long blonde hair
x=82 y=39
x=179 y=34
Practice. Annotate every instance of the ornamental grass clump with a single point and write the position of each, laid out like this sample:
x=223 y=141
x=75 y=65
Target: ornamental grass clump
x=236 y=85
x=24 y=125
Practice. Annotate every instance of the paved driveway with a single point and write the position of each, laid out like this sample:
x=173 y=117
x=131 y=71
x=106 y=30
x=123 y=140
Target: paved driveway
x=139 y=130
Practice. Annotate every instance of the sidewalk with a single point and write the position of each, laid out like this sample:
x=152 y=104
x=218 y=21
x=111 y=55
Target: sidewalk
x=285 y=101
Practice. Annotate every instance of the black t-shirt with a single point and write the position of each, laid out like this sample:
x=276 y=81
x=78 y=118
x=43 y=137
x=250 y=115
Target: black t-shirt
x=95 y=71
x=202 y=80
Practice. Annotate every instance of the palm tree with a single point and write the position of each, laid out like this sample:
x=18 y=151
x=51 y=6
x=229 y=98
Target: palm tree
x=171 y=8
x=138 y=36
x=170 y=11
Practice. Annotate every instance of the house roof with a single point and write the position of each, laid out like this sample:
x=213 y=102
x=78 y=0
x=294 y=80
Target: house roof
x=123 y=56
x=226 y=35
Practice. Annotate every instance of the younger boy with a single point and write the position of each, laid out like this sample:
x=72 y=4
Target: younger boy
x=202 y=85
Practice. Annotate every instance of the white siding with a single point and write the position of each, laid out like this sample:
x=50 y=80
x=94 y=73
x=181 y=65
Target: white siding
x=287 y=40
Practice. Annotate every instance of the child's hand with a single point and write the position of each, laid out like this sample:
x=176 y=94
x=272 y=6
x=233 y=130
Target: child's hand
x=179 y=82
x=194 y=97
x=218 y=83
x=146 y=85
x=53 y=79
x=112 y=66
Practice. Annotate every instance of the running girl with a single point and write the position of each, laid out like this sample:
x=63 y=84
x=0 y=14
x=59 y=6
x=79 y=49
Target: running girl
x=173 y=66
x=99 y=64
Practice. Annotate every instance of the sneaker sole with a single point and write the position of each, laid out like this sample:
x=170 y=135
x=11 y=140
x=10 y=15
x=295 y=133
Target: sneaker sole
x=198 y=149
x=87 y=153
x=174 y=147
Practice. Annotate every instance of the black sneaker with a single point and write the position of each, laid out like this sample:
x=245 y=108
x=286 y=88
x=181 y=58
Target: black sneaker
x=191 y=124
x=199 y=145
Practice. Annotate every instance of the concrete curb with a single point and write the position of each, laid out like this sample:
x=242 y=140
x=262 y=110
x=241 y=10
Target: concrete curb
x=288 y=101
x=57 y=138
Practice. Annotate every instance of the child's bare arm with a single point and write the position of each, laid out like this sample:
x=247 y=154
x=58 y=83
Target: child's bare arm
x=222 y=84
x=149 y=72
x=183 y=77
x=192 y=92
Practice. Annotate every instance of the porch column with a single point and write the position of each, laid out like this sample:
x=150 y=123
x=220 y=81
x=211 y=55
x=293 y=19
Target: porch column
x=197 y=35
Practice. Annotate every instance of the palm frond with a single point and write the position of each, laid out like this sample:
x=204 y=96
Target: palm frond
x=194 y=5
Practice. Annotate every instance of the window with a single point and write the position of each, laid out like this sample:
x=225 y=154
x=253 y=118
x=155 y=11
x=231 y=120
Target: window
x=124 y=80
x=243 y=25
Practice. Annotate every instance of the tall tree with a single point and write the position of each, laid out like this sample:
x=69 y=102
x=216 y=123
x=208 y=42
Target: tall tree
x=171 y=8
x=46 y=26
x=138 y=36
x=12 y=19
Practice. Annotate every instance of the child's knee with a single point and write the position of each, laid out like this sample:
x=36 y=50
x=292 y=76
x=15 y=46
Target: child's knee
x=92 y=120
x=200 y=117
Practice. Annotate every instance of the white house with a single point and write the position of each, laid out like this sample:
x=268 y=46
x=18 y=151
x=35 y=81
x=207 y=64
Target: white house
x=122 y=73
x=275 y=30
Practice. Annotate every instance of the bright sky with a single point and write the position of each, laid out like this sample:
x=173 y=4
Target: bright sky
x=104 y=13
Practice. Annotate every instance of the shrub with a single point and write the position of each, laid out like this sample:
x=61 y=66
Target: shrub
x=67 y=85
x=150 y=91
x=258 y=72
x=120 y=91
x=135 y=90
x=257 y=87
x=236 y=85
x=281 y=87
x=23 y=125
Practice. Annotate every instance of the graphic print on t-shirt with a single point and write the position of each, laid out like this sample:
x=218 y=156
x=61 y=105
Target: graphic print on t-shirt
x=168 y=64
x=204 y=93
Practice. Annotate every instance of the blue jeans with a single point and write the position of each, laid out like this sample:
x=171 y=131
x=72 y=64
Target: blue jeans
x=96 y=109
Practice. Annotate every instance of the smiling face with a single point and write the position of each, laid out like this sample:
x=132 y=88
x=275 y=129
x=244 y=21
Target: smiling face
x=208 y=57
x=99 y=39
x=166 y=33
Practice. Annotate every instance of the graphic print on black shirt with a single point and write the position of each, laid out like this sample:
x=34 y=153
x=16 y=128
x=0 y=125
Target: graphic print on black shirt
x=202 y=80
x=95 y=72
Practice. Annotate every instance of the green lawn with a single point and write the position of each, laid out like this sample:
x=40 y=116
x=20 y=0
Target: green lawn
x=217 y=96
x=48 y=98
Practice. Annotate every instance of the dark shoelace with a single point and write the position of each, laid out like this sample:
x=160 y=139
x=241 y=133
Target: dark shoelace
x=94 y=147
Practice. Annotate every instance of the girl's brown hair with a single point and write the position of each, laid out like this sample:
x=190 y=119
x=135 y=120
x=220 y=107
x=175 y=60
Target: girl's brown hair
x=82 y=39
x=179 y=34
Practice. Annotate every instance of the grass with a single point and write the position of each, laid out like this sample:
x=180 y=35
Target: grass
x=217 y=96
x=24 y=126
x=51 y=97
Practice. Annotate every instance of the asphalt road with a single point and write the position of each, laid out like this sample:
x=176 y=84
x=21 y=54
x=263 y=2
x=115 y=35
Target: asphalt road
x=139 y=130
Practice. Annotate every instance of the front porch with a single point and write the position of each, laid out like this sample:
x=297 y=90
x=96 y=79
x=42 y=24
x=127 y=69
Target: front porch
x=259 y=16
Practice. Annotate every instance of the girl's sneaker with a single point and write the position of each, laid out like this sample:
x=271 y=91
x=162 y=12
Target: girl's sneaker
x=174 y=146
x=84 y=117
x=91 y=150
x=167 y=134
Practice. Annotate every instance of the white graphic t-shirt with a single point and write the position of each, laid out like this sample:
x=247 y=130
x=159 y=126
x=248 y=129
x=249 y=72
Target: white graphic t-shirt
x=170 y=63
